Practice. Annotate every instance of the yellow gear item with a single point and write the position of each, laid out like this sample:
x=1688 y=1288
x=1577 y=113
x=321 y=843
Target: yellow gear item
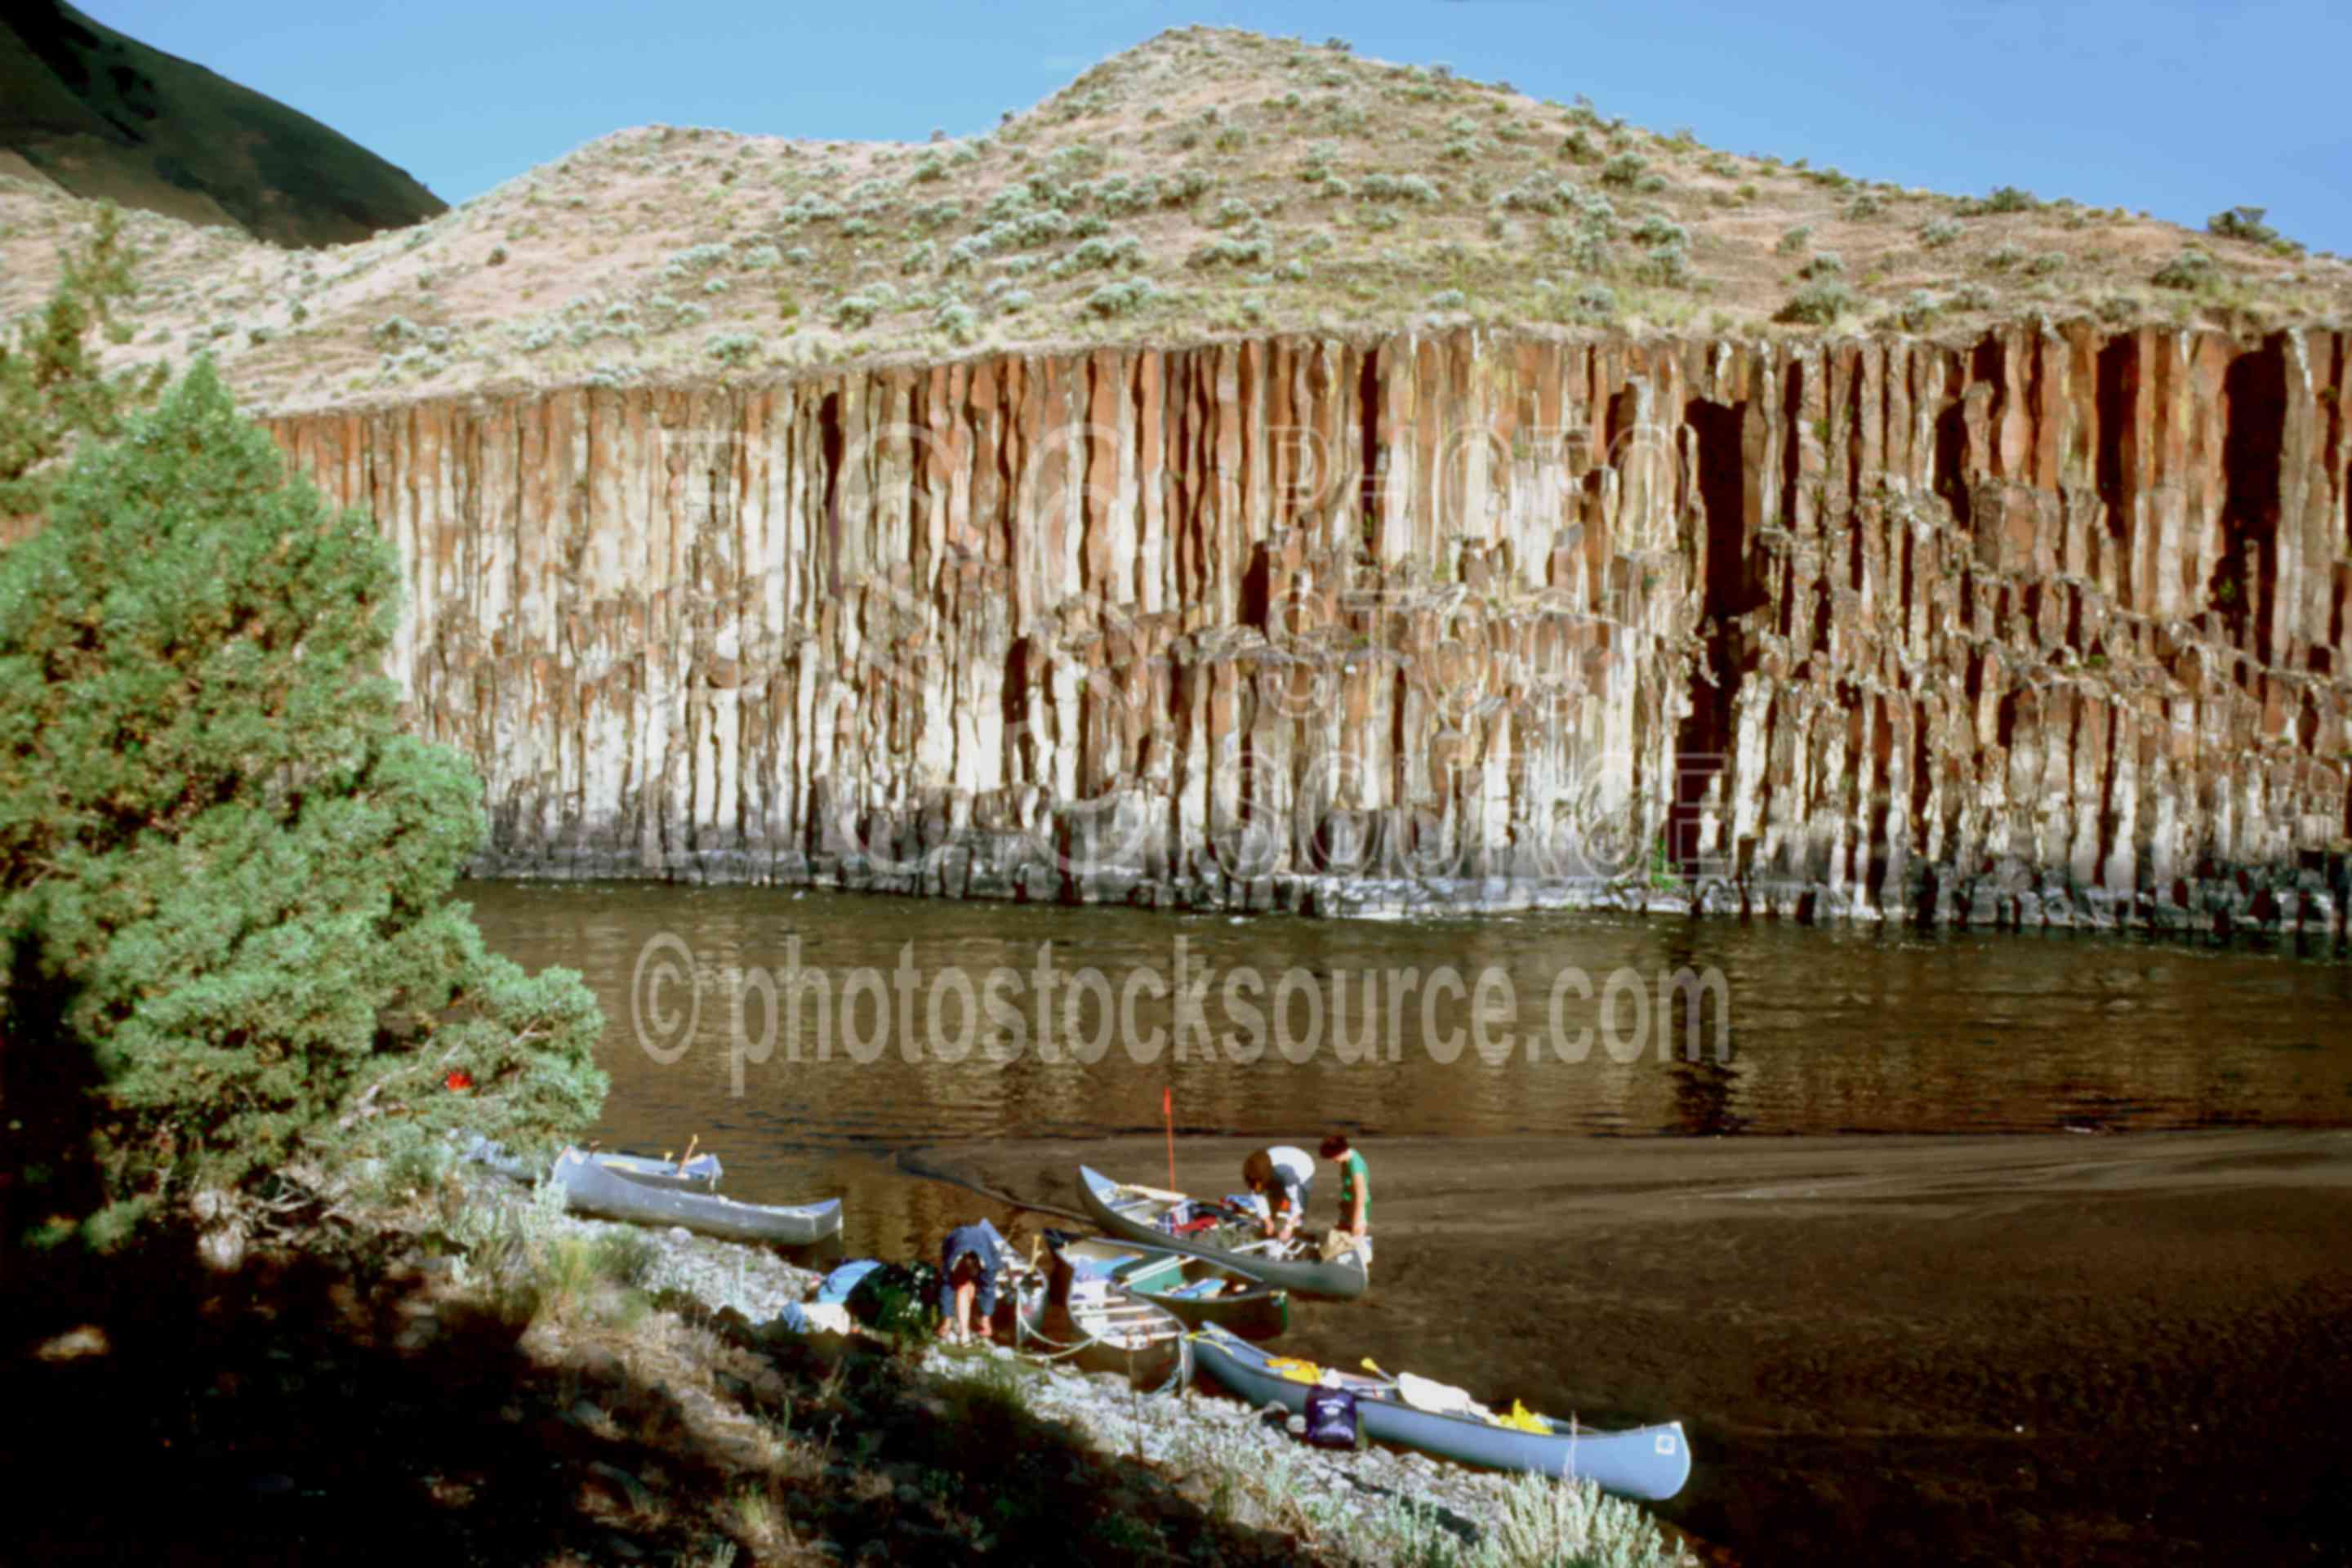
x=1522 y=1419
x=1294 y=1369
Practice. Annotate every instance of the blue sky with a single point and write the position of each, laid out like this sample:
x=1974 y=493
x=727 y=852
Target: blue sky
x=2178 y=110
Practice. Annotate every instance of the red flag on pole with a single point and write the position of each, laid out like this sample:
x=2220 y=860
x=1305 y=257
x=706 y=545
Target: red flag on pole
x=1168 y=1113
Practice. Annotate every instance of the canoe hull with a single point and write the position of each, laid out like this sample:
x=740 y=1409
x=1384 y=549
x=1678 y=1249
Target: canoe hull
x=1256 y=1316
x=1262 y=1312
x=700 y=1175
x=1150 y=1347
x=591 y=1188
x=1650 y=1463
x=1341 y=1281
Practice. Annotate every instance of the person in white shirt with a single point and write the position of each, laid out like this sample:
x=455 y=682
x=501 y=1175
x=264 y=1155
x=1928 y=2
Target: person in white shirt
x=1284 y=1177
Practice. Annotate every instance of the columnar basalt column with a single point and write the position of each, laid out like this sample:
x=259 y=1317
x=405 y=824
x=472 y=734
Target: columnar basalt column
x=2051 y=625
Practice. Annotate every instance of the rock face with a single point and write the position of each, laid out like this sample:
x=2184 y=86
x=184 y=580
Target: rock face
x=2052 y=628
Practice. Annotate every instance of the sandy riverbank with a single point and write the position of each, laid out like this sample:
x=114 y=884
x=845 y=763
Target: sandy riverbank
x=2063 y=1349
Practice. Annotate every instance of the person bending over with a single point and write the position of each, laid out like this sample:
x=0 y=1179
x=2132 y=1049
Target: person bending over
x=969 y=1264
x=1283 y=1176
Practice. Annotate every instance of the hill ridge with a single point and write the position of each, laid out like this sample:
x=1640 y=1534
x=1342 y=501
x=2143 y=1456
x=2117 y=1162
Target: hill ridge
x=101 y=114
x=1204 y=185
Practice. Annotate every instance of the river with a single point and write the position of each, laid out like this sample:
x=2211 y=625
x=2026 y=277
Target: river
x=1946 y=1246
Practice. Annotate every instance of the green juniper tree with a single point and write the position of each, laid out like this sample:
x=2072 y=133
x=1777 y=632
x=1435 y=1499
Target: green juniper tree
x=224 y=866
x=51 y=391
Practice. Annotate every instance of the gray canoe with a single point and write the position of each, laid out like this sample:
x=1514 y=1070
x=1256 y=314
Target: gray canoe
x=1647 y=1462
x=591 y=1187
x=1101 y=1329
x=700 y=1173
x=1134 y=1213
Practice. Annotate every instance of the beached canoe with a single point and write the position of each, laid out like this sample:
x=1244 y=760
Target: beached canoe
x=1101 y=1329
x=700 y=1173
x=1647 y=1462
x=591 y=1187
x=1197 y=1290
x=1136 y=1214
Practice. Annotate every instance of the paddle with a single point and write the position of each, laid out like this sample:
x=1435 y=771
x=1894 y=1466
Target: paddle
x=690 y=1143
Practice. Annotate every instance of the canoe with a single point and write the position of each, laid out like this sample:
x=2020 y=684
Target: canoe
x=1101 y=1329
x=1134 y=1214
x=700 y=1173
x=1196 y=1290
x=591 y=1187
x=1646 y=1462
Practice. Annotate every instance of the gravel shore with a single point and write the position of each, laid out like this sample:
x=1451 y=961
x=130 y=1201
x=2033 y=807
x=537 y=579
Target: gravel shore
x=1335 y=1497
x=1180 y=1431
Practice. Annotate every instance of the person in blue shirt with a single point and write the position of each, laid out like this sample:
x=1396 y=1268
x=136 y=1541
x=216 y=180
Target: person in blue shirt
x=969 y=1261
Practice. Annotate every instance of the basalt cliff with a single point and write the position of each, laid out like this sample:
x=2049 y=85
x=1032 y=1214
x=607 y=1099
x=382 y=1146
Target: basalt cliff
x=2051 y=627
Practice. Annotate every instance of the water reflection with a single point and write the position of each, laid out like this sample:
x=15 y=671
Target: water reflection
x=1862 y=1030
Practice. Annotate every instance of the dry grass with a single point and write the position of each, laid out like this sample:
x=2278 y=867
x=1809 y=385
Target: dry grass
x=1206 y=183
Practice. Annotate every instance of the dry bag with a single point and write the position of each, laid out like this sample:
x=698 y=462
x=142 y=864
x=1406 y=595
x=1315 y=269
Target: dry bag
x=1331 y=1420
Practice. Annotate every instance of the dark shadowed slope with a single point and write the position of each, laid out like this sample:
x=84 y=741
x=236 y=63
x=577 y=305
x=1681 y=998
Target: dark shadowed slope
x=105 y=116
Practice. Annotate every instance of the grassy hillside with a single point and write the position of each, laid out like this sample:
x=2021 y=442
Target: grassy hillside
x=106 y=117
x=1205 y=182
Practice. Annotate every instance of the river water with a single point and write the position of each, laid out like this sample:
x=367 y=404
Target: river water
x=1800 y=1030
x=1883 y=1336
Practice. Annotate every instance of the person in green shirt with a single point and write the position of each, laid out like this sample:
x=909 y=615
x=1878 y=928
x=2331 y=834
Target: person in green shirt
x=1355 y=1232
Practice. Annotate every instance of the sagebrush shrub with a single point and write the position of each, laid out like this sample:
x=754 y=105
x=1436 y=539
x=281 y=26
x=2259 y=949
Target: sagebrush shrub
x=1625 y=170
x=2242 y=223
x=1594 y=302
x=734 y=349
x=1667 y=266
x=2192 y=270
x=1122 y=298
x=2004 y=199
x=1817 y=304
